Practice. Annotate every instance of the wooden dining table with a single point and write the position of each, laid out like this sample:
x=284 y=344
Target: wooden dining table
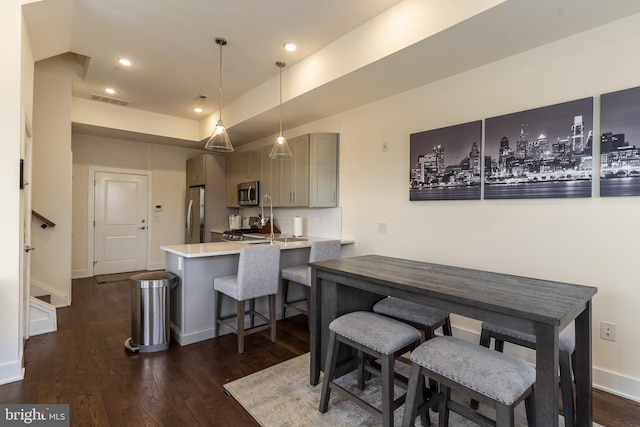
x=535 y=306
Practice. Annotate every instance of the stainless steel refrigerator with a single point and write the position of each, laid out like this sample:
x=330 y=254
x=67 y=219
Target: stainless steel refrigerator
x=205 y=206
x=195 y=210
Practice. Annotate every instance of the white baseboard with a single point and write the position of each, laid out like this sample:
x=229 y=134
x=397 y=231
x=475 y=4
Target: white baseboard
x=156 y=266
x=205 y=334
x=11 y=372
x=57 y=299
x=617 y=384
x=611 y=382
x=191 y=337
x=43 y=317
x=81 y=274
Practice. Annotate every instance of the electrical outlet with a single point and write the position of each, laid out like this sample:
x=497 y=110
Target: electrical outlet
x=385 y=146
x=382 y=227
x=608 y=331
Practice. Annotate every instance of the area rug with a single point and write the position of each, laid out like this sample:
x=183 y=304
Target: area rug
x=281 y=396
x=108 y=278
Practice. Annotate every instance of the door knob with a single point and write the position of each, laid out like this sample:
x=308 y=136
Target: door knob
x=29 y=248
x=143 y=228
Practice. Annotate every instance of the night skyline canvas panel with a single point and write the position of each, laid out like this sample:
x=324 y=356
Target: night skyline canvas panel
x=619 y=141
x=540 y=153
x=445 y=163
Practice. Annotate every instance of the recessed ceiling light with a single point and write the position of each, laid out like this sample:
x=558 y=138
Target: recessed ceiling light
x=198 y=110
x=290 y=47
x=110 y=91
x=124 y=61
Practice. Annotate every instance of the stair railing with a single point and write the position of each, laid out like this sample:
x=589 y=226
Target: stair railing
x=45 y=221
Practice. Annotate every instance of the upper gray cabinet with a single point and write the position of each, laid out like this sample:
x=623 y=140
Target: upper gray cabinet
x=232 y=180
x=323 y=170
x=196 y=168
x=241 y=167
x=249 y=168
x=309 y=179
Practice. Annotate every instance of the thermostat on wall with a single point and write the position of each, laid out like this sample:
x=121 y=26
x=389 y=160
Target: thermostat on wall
x=157 y=208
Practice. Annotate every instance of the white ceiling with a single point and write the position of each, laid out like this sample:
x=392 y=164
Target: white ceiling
x=176 y=58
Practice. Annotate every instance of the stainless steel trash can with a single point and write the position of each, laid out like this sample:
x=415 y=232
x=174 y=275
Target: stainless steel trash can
x=150 y=307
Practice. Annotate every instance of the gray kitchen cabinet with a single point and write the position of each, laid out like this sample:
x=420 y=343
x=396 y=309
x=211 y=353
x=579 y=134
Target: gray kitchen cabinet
x=268 y=183
x=241 y=167
x=249 y=166
x=286 y=181
x=323 y=170
x=232 y=180
x=216 y=237
x=294 y=174
x=310 y=179
x=196 y=168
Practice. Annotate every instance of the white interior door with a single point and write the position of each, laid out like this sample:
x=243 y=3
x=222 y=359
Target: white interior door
x=120 y=228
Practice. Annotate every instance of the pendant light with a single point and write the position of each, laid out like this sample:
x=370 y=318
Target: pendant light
x=219 y=140
x=280 y=150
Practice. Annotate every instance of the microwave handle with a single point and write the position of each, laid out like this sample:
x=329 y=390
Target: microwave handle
x=249 y=194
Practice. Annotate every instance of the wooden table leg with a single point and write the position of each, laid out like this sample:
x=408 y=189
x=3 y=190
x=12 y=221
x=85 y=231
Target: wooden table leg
x=583 y=372
x=314 y=329
x=546 y=387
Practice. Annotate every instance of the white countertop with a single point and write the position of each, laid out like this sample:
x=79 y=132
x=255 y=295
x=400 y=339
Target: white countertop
x=229 y=248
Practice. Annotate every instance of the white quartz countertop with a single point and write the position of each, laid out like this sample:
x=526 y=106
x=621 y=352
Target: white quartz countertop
x=197 y=250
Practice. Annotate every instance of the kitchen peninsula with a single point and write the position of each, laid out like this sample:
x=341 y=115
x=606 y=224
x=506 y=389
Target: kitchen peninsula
x=196 y=265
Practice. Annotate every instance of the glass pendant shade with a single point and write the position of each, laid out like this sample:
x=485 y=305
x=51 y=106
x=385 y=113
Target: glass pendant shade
x=280 y=150
x=219 y=140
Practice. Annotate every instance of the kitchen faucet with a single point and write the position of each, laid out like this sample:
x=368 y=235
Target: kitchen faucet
x=263 y=221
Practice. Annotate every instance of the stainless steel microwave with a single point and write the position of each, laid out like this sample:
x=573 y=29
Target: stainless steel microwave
x=248 y=193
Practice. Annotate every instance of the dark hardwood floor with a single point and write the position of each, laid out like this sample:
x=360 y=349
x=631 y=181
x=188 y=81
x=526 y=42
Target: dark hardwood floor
x=84 y=364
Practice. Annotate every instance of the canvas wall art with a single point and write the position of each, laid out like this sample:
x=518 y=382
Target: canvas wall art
x=445 y=163
x=540 y=153
x=619 y=141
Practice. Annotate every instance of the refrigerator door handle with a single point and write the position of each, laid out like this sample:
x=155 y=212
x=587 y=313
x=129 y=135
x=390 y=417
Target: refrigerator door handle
x=190 y=221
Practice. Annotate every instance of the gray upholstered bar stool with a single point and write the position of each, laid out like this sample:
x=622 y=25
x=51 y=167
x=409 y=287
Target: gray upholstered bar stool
x=420 y=316
x=320 y=251
x=566 y=349
x=377 y=336
x=258 y=276
x=494 y=378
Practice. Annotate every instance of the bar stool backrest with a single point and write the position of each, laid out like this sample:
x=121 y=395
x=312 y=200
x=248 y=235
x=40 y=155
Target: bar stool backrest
x=258 y=271
x=323 y=251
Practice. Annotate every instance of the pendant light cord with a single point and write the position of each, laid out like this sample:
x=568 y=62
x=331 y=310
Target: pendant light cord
x=281 y=100
x=221 y=42
x=281 y=65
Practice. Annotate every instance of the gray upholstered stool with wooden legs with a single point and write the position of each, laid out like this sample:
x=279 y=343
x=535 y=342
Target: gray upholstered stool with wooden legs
x=377 y=336
x=420 y=316
x=494 y=378
x=258 y=276
x=320 y=251
x=566 y=349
